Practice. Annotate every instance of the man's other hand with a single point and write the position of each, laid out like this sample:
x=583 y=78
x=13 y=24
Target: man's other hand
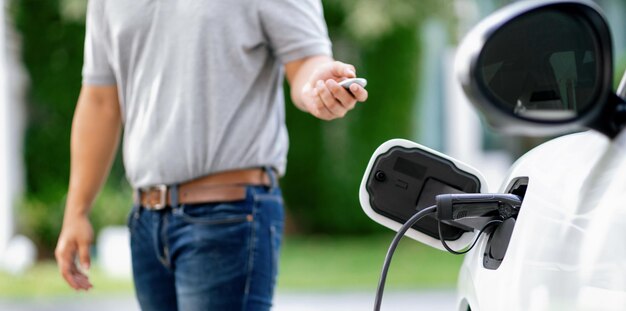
x=75 y=239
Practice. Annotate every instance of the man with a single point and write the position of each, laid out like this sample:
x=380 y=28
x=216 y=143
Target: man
x=197 y=86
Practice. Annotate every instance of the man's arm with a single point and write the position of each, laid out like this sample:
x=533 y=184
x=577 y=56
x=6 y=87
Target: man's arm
x=314 y=87
x=95 y=136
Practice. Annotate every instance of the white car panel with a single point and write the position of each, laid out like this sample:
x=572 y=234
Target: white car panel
x=567 y=250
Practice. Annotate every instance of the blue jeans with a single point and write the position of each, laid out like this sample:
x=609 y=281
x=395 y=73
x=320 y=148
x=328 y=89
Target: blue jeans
x=218 y=256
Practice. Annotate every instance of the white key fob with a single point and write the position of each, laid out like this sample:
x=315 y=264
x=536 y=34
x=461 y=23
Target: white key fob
x=347 y=82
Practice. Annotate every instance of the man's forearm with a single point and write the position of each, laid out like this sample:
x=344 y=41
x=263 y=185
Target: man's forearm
x=95 y=135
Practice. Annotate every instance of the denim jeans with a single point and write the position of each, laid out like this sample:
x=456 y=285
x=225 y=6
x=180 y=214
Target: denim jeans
x=218 y=256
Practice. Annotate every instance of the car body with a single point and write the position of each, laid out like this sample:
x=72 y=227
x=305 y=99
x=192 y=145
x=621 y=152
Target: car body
x=567 y=250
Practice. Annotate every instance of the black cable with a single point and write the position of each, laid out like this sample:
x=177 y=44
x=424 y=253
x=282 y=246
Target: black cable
x=392 y=248
x=445 y=245
x=394 y=244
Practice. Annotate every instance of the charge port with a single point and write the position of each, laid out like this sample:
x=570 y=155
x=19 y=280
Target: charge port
x=518 y=187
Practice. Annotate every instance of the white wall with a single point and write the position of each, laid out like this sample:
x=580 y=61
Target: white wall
x=6 y=130
x=12 y=80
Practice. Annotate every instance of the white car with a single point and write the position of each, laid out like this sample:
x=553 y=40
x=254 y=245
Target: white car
x=555 y=232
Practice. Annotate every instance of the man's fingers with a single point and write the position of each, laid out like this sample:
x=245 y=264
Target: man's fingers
x=64 y=255
x=330 y=101
x=340 y=69
x=66 y=258
x=319 y=110
x=83 y=255
x=322 y=112
x=82 y=281
x=68 y=275
x=341 y=94
x=73 y=277
x=359 y=92
x=76 y=279
x=85 y=261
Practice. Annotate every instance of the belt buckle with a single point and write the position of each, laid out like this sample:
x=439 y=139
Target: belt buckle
x=162 y=196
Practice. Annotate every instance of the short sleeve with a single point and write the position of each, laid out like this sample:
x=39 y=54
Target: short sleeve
x=97 y=69
x=295 y=29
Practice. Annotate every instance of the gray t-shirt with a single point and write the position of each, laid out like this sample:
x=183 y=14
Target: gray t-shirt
x=200 y=82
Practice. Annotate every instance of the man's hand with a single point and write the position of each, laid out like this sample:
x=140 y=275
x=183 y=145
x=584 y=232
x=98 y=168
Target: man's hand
x=315 y=87
x=75 y=239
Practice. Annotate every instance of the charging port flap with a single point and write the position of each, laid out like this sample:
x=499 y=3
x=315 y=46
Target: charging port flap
x=404 y=177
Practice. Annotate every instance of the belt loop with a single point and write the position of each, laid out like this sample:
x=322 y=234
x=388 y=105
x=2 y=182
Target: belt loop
x=272 y=175
x=174 y=195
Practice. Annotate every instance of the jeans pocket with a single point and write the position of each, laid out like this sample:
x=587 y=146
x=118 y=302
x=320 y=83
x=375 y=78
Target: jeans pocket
x=216 y=214
x=131 y=217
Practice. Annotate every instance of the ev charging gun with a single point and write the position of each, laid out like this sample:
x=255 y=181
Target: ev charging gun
x=473 y=211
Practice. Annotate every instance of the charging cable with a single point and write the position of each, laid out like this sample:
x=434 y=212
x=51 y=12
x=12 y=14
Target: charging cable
x=469 y=212
x=392 y=248
x=461 y=252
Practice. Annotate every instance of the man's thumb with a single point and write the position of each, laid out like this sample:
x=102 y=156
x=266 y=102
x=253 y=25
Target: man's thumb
x=344 y=70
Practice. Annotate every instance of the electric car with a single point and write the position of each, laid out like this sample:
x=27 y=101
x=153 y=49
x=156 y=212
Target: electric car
x=553 y=236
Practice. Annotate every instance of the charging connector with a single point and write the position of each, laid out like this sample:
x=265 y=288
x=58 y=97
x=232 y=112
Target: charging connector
x=472 y=211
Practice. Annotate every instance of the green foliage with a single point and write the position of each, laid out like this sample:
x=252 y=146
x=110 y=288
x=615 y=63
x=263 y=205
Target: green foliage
x=52 y=51
x=367 y=21
x=620 y=68
x=52 y=54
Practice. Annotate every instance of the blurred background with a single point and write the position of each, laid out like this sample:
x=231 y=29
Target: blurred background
x=405 y=48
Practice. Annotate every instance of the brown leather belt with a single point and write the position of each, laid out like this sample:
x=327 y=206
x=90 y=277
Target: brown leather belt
x=219 y=187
